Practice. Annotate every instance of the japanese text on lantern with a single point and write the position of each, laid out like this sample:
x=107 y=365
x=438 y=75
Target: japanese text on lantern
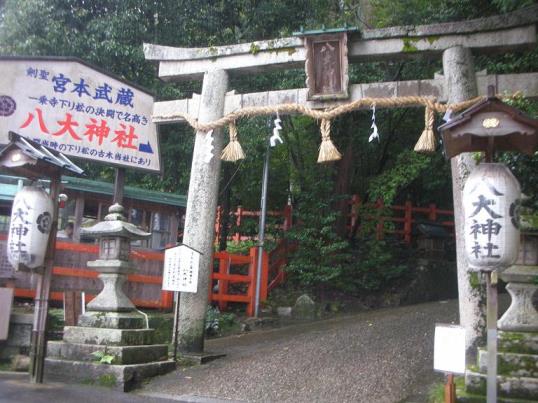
x=17 y=247
x=485 y=228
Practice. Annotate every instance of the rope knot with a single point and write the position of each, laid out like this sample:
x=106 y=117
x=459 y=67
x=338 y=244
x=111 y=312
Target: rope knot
x=233 y=151
x=327 y=149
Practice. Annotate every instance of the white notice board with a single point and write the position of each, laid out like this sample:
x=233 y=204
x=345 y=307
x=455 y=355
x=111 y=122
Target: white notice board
x=449 y=349
x=181 y=265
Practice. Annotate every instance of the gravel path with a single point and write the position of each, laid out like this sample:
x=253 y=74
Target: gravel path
x=376 y=356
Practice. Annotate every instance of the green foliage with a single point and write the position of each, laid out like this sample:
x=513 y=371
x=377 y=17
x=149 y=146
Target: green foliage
x=524 y=167
x=107 y=380
x=102 y=357
x=218 y=323
x=322 y=254
x=408 y=166
x=375 y=267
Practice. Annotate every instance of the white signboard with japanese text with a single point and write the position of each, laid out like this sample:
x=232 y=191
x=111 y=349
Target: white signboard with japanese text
x=77 y=110
x=181 y=265
x=449 y=349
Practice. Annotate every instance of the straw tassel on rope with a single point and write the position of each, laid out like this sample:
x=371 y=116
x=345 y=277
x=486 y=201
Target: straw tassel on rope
x=426 y=143
x=233 y=151
x=327 y=150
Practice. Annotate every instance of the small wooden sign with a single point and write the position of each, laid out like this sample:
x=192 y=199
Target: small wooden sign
x=326 y=66
x=181 y=265
x=449 y=349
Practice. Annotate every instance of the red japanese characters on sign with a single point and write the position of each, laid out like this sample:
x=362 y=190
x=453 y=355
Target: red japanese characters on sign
x=79 y=111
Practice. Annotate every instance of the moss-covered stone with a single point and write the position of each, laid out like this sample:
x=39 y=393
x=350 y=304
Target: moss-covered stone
x=474 y=280
x=254 y=48
x=409 y=45
x=107 y=380
x=518 y=342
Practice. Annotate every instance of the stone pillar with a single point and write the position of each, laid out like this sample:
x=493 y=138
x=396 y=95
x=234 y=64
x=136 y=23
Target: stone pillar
x=201 y=211
x=460 y=81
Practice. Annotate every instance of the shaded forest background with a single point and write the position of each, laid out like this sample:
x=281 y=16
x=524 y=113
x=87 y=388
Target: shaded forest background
x=110 y=34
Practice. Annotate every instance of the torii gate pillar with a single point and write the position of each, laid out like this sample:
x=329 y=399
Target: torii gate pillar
x=460 y=84
x=201 y=211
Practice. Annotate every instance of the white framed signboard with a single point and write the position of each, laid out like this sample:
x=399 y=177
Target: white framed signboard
x=449 y=349
x=181 y=265
x=69 y=106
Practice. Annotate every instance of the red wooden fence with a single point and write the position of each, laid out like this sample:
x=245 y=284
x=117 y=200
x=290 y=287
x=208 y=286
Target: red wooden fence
x=239 y=216
x=402 y=218
x=70 y=274
x=233 y=277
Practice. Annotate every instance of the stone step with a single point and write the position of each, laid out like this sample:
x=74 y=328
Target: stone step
x=119 y=377
x=508 y=387
x=518 y=342
x=104 y=336
x=511 y=364
x=123 y=355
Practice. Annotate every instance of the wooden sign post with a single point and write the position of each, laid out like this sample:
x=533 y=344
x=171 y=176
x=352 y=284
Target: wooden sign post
x=180 y=274
x=449 y=355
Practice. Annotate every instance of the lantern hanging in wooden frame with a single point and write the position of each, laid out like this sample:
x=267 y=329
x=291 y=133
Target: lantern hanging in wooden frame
x=491 y=193
x=29 y=228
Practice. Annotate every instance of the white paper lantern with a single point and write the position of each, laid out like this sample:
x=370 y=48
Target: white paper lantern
x=490 y=197
x=29 y=229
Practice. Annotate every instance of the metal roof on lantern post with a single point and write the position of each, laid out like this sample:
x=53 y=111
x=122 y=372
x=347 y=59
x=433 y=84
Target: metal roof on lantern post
x=23 y=157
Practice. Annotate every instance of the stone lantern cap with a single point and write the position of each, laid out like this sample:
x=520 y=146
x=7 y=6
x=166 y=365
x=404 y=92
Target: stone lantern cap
x=114 y=225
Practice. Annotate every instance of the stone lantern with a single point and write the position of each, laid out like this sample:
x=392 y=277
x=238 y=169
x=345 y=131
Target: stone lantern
x=111 y=326
x=115 y=236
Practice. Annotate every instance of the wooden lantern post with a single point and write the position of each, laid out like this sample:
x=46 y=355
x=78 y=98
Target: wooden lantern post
x=23 y=157
x=489 y=126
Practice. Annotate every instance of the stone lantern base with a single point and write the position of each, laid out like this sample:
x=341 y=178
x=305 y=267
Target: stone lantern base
x=517 y=358
x=122 y=336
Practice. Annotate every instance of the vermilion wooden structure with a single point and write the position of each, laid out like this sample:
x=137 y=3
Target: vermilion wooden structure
x=233 y=276
x=401 y=216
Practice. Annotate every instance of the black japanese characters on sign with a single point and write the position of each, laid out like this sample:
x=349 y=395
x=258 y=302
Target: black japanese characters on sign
x=19 y=228
x=485 y=245
x=181 y=266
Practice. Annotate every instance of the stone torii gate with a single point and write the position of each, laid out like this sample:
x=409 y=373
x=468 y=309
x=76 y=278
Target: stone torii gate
x=454 y=42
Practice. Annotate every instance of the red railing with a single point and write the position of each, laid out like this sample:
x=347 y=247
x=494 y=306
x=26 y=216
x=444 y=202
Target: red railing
x=402 y=217
x=232 y=270
x=235 y=279
x=163 y=301
x=239 y=215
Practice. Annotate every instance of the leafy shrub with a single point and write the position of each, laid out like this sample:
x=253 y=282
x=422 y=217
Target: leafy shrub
x=217 y=323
